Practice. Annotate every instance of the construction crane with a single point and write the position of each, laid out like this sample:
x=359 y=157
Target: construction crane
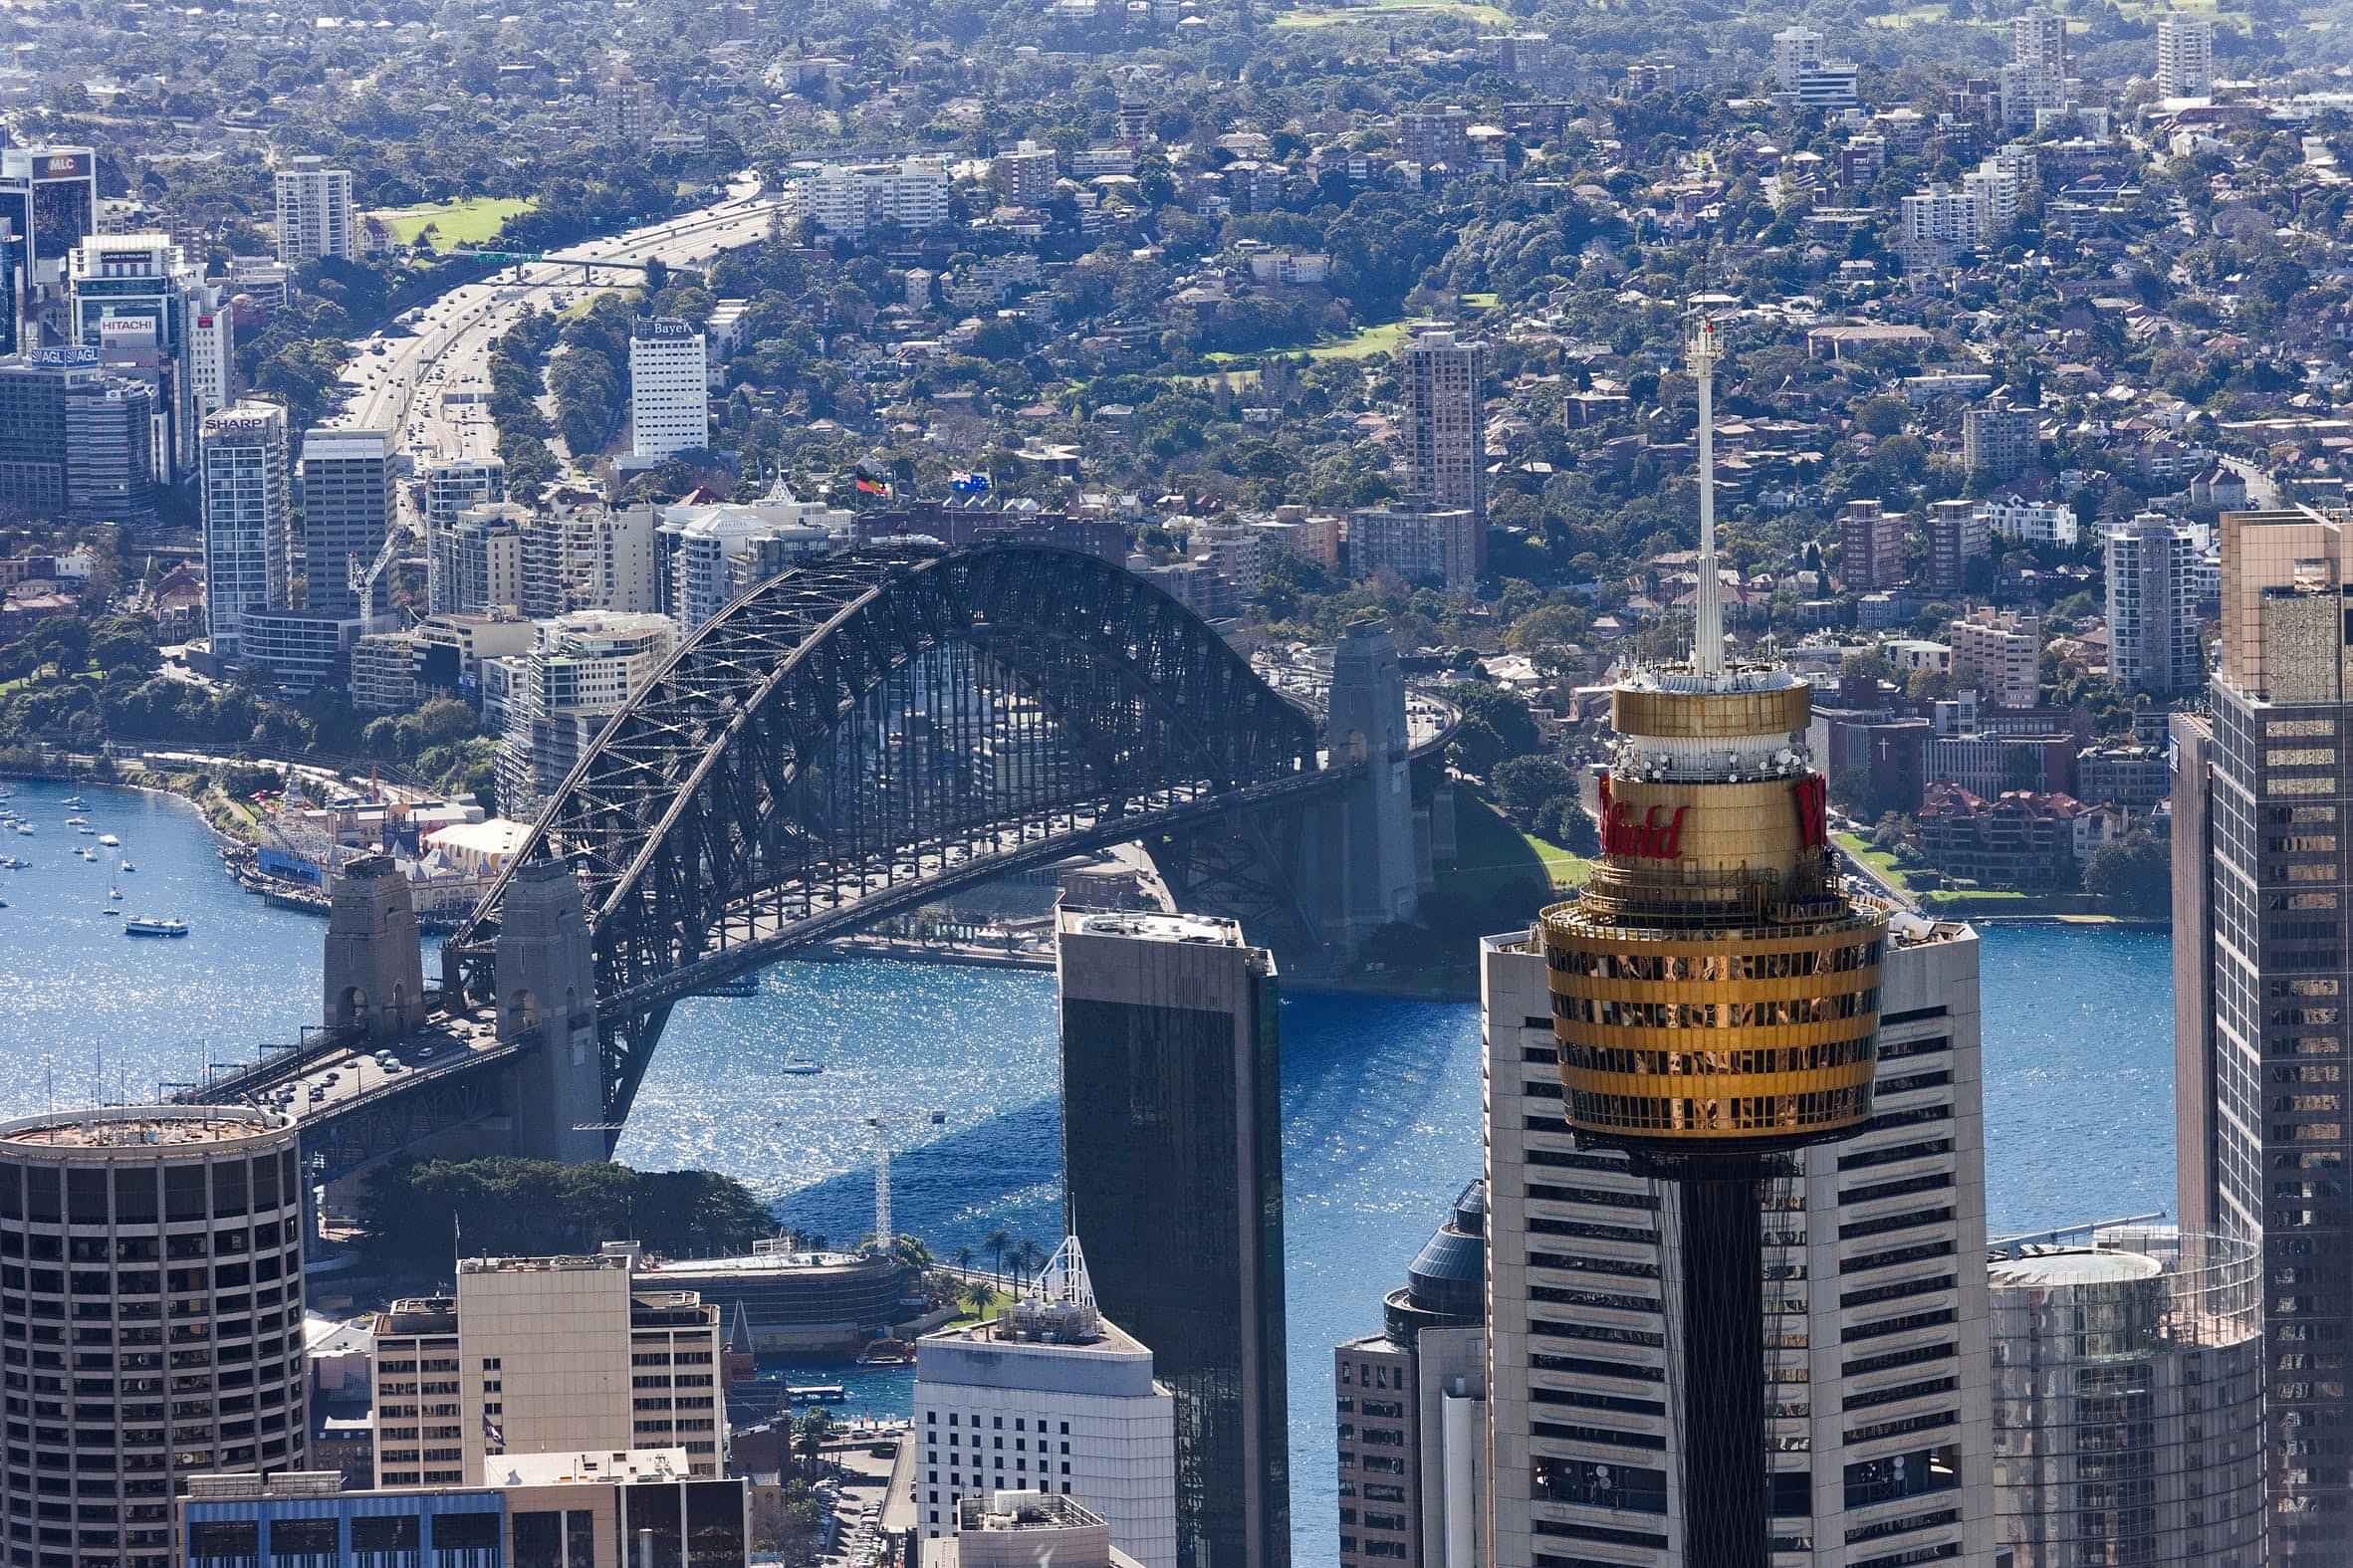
x=363 y=579
x=882 y=1124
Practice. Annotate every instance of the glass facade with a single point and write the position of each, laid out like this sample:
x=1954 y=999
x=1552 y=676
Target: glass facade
x=1167 y=1112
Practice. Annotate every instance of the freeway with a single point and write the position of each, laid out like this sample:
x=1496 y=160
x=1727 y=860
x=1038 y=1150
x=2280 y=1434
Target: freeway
x=432 y=383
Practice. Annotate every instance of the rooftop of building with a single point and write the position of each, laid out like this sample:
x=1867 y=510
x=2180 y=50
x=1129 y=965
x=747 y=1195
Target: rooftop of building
x=143 y=1127
x=612 y=1465
x=2072 y=1267
x=1213 y=930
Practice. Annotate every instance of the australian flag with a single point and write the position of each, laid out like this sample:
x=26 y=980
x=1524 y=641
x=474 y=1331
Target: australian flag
x=968 y=484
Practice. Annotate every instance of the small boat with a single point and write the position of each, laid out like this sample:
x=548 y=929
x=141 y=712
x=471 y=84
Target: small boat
x=110 y=841
x=803 y=1069
x=86 y=833
x=76 y=822
x=150 y=926
x=127 y=866
x=24 y=827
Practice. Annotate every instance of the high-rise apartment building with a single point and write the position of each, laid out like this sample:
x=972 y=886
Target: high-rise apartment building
x=1048 y=1396
x=2261 y=864
x=669 y=388
x=450 y=487
x=1934 y=227
x=2155 y=635
x=1172 y=1148
x=158 y=1254
x=849 y=199
x=348 y=502
x=2184 y=54
x=1871 y=548
x=1446 y=410
x=1436 y=137
x=715 y=551
x=1418 y=541
x=242 y=468
x=1024 y=176
x=1957 y=537
x=2035 y=79
x=1999 y=656
x=593 y=559
x=1873 y=1301
x=1793 y=49
x=1409 y=1409
x=544 y=1355
x=315 y=213
x=478 y=559
x=550 y=703
x=1998 y=441
x=2128 y=1398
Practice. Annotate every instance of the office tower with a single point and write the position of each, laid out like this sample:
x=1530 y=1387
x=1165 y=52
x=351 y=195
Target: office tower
x=1716 y=997
x=1870 y=547
x=2128 y=1398
x=638 y=1508
x=548 y=1356
x=1446 y=406
x=13 y=288
x=1877 y=1347
x=47 y=199
x=315 y=213
x=1410 y=1408
x=1793 y=49
x=2155 y=641
x=246 y=544
x=550 y=703
x=112 y=470
x=2184 y=54
x=211 y=351
x=1172 y=1149
x=346 y=515
x=2261 y=858
x=1998 y=442
x=1048 y=1396
x=131 y=298
x=1999 y=656
x=669 y=388
x=158 y=1253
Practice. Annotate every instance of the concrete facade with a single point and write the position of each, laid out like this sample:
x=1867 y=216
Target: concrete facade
x=374 y=977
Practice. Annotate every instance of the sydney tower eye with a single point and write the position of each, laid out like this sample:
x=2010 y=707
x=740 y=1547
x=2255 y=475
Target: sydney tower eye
x=1716 y=1001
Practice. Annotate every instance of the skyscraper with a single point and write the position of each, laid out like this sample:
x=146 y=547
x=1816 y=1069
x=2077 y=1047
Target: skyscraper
x=2184 y=54
x=1446 y=407
x=2155 y=641
x=242 y=463
x=160 y=1256
x=1172 y=1149
x=315 y=213
x=47 y=199
x=2261 y=864
x=1793 y=49
x=669 y=388
x=347 y=513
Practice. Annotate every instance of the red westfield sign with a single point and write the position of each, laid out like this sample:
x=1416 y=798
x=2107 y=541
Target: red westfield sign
x=1648 y=840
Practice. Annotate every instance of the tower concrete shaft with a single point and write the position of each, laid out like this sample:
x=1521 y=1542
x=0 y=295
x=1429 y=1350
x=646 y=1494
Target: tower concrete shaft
x=546 y=982
x=374 y=975
x=1372 y=871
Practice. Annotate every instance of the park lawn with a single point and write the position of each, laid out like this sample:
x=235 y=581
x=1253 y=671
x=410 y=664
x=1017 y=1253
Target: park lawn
x=467 y=222
x=1483 y=300
x=1392 y=10
x=1490 y=851
x=1360 y=344
x=997 y=1302
x=1878 y=860
x=1566 y=868
x=1912 y=16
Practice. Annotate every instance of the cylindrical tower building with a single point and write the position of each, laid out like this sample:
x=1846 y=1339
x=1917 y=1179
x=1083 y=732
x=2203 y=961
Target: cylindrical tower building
x=2128 y=1401
x=1715 y=1003
x=150 y=1321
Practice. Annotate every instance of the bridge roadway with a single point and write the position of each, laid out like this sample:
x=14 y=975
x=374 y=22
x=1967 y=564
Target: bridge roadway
x=332 y=1086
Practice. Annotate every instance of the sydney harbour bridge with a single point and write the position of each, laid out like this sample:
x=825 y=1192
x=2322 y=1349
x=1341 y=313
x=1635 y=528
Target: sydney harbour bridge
x=861 y=734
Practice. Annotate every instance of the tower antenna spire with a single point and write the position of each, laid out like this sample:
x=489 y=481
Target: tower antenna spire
x=1706 y=650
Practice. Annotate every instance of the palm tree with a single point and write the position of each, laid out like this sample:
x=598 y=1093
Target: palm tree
x=1033 y=1257
x=977 y=1296
x=997 y=1242
x=962 y=1258
x=812 y=1427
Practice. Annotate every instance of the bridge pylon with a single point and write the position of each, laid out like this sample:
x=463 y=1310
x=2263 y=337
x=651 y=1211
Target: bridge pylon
x=1369 y=864
x=375 y=969
x=545 y=965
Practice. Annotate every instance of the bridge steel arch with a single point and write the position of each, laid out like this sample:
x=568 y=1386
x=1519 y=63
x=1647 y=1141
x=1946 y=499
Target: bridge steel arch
x=861 y=733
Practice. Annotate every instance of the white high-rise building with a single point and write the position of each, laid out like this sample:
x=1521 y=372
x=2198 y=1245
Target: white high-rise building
x=212 y=350
x=450 y=488
x=1937 y=225
x=2184 y=54
x=1874 y=1293
x=2155 y=641
x=477 y=560
x=593 y=559
x=242 y=458
x=1793 y=49
x=315 y=213
x=1052 y=1397
x=669 y=388
x=558 y=696
x=2035 y=79
x=717 y=551
x=850 y=198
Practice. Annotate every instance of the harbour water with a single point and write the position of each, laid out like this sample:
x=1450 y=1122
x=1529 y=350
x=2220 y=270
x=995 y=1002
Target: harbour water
x=1380 y=1096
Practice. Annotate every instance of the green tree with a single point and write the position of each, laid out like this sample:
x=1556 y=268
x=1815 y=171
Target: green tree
x=1528 y=788
x=2133 y=876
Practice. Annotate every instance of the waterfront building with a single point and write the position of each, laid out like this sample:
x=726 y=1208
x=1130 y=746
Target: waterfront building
x=1999 y=656
x=669 y=388
x=248 y=532
x=2184 y=54
x=1028 y=1529
x=171 y=1238
x=1409 y=1409
x=1048 y=1396
x=1172 y=1149
x=348 y=503
x=2260 y=856
x=1446 y=418
x=2156 y=641
x=315 y=213
x=550 y=703
x=385 y=666
x=2128 y=1398
x=793 y=1300
x=636 y=1508
x=542 y=1356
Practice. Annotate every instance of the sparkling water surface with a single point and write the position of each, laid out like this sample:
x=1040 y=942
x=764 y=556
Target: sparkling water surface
x=1380 y=1096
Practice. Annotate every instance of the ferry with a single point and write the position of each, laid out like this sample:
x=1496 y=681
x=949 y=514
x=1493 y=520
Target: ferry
x=816 y=1393
x=803 y=1069
x=150 y=926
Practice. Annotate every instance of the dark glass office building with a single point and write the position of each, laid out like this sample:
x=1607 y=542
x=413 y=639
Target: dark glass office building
x=1172 y=1143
